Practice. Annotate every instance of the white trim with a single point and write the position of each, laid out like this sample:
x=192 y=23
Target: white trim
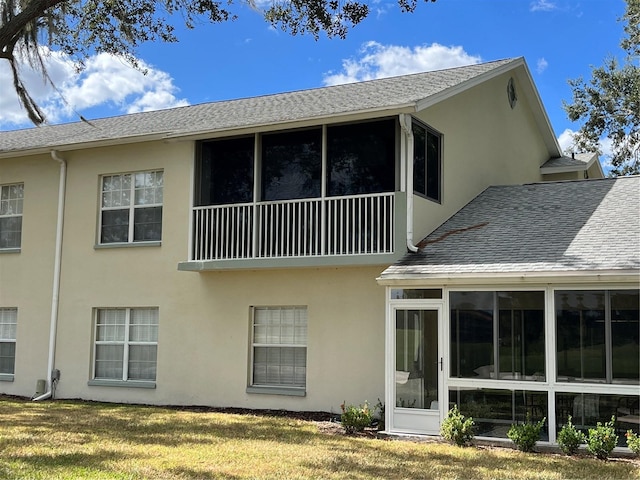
x=544 y=277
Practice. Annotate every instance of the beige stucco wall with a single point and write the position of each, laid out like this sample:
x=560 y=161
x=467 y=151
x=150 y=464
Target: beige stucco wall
x=25 y=277
x=203 y=351
x=486 y=142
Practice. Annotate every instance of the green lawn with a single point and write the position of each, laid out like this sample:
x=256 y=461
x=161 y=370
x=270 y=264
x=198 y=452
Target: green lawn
x=71 y=440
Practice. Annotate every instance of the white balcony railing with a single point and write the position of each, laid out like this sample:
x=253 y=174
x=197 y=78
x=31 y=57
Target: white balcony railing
x=351 y=225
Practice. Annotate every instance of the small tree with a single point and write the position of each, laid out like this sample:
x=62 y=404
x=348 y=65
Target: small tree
x=609 y=105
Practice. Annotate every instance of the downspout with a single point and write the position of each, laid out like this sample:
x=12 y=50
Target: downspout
x=52 y=377
x=405 y=123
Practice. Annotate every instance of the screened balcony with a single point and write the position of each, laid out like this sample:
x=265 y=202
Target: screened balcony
x=326 y=191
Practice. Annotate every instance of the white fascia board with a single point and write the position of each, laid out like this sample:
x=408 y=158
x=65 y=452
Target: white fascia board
x=569 y=277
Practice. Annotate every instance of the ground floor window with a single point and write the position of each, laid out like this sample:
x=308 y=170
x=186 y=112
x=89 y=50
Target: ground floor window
x=279 y=347
x=8 y=326
x=497 y=335
x=126 y=344
x=495 y=410
x=597 y=335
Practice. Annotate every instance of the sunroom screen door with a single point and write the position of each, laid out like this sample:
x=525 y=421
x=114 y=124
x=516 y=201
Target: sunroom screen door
x=417 y=359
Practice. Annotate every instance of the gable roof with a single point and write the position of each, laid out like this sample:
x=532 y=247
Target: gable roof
x=543 y=228
x=405 y=93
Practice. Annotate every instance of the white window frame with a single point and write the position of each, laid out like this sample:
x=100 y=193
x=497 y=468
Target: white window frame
x=277 y=388
x=8 y=316
x=11 y=207
x=126 y=343
x=131 y=207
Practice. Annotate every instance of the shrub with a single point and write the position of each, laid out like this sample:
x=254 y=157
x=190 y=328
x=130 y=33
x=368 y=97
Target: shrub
x=570 y=438
x=602 y=439
x=633 y=442
x=356 y=418
x=379 y=408
x=526 y=435
x=456 y=428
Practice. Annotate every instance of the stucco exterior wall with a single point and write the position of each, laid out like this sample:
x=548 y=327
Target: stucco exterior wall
x=485 y=142
x=204 y=318
x=25 y=277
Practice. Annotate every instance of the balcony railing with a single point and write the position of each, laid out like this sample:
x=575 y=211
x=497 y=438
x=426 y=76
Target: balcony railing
x=350 y=225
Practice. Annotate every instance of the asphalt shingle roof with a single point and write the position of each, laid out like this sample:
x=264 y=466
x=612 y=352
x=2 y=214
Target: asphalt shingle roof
x=387 y=93
x=575 y=226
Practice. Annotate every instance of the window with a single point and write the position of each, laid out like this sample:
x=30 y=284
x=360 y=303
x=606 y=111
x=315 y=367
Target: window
x=498 y=335
x=226 y=172
x=11 y=199
x=126 y=344
x=292 y=165
x=361 y=158
x=279 y=346
x=426 y=161
x=597 y=336
x=131 y=207
x=8 y=326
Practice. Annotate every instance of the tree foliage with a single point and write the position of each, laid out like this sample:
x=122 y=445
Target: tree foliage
x=609 y=105
x=80 y=28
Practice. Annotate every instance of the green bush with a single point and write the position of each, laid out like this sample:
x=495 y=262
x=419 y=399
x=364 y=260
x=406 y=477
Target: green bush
x=356 y=418
x=633 y=442
x=379 y=408
x=602 y=439
x=570 y=438
x=526 y=435
x=456 y=428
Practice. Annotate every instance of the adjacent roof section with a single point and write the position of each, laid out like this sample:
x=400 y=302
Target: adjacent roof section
x=577 y=162
x=375 y=95
x=568 y=227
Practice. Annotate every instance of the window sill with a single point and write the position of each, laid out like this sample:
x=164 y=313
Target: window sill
x=10 y=250
x=121 y=383
x=100 y=246
x=6 y=377
x=275 y=390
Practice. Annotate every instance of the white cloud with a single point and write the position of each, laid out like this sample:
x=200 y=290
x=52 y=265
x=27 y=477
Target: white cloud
x=566 y=140
x=106 y=80
x=541 y=65
x=542 y=6
x=379 y=61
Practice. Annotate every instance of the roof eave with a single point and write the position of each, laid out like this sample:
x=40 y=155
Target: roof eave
x=300 y=122
x=514 y=278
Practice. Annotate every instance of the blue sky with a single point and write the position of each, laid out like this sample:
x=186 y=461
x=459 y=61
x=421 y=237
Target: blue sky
x=560 y=39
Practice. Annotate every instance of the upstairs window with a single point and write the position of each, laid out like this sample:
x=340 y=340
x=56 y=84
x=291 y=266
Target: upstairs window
x=292 y=165
x=361 y=158
x=226 y=172
x=8 y=326
x=131 y=207
x=426 y=162
x=11 y=200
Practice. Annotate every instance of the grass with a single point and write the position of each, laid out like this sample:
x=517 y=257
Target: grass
x=79 y=440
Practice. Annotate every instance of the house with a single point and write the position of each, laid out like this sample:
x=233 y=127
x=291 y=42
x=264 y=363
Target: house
x=232 y=254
